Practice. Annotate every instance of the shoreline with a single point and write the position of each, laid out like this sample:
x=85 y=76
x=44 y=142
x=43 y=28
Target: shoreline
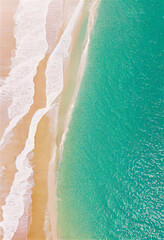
x=34 y=145
x=51 y=215
x=81 y=68
x=80 y=72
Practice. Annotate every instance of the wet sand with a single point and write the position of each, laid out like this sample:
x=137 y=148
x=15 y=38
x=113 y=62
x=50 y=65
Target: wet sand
x=45 y=173
x=7 y=40
x=7 y=50
x=65 y=98
x=40 y=162
x=70 y=76
x=19 y=134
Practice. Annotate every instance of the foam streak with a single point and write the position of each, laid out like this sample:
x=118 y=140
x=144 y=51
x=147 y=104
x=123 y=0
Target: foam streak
x=30 y=34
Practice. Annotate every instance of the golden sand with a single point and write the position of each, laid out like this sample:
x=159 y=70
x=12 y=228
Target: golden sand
x=44 y=190
x=46 y=152
x=7 y=40
x=40 y=161
x=7 y=48
x=17 y=142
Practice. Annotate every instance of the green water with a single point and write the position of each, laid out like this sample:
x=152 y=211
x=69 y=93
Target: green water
x=111 y=177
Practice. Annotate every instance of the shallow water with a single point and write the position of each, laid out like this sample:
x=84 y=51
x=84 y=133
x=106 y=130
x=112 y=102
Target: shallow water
x=30 y=105
x=111 y=178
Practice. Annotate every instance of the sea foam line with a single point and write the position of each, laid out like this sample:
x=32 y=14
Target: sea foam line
x=54 y=15
x=51 y=209
x=30 y=35
x=14 y=207
x=31 y=43
x=20 y=191
x=55 y=74
x=59 y=57
x=83 y=62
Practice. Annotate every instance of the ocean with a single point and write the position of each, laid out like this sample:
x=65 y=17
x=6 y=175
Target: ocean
x=110 y=178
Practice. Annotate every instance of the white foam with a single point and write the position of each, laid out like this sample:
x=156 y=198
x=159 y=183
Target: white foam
x=83 y=61
x=15 y=201
x=13 y=210
x=20 y=191
x=2 y=80
x=2 y=168
x=59 y=57
x=54 y=22
x=69 y=7
x=91 y=22
x=54 y=74
x=31 y=44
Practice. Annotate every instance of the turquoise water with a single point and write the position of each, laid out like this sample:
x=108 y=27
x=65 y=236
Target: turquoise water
x=111 y=177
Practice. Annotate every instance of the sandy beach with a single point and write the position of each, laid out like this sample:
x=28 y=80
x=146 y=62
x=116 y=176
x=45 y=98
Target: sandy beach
x=40 y=213
x=7 y=40
x=81 y=87
x=7 y=50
